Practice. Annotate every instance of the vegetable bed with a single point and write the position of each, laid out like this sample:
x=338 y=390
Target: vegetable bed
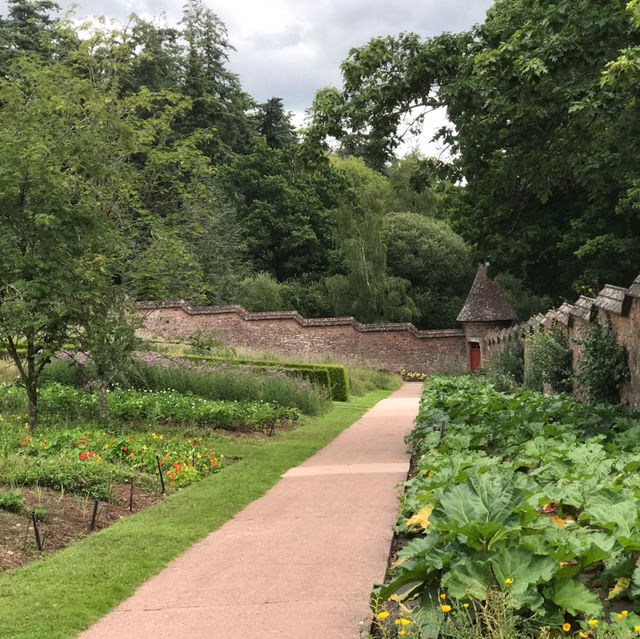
x=529 y=498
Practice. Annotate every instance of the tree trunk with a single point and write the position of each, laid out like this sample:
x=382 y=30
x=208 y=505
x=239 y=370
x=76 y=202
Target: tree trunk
x=32 y=406
x=102 y=401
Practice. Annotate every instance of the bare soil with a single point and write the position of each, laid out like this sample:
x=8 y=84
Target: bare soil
x=67 y=519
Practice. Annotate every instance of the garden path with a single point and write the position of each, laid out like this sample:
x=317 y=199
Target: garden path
x=298 y=562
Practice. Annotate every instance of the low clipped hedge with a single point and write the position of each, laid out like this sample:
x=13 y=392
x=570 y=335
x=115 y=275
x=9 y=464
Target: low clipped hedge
x=331 y=376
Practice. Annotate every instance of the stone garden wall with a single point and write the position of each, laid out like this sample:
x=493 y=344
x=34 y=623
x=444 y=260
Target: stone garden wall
x=391 y=347
x=621 y=305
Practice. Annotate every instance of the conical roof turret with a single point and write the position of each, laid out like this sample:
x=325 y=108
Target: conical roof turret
x=486 y=301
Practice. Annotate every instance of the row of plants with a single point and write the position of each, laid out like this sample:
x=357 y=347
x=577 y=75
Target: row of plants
x=359 y=381
x=529 y=498
x=67 y=402
x=159 y=372
x=331 y=376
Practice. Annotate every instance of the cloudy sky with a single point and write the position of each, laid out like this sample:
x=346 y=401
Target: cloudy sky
x=291 y=48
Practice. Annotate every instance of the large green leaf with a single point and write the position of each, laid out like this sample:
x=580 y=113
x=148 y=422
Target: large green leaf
x=481 y=498
x=522 y=568
x=619 y=517
x=574 y=597
x=467 y=579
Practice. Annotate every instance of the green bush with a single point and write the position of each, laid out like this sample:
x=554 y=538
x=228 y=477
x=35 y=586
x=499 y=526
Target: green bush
x=363 y=380
x=12 y=502
x=209 y=343
x=337 y=381
x=548 y=362
x=603 y=368
x=510 y=361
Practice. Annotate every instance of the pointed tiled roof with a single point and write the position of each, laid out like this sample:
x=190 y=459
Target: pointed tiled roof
x=486 y=301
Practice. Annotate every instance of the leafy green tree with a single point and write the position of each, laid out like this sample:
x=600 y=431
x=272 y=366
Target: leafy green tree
x=260 y=292
x=284 y=207
x=166 y=269
x=366 y=291
x=219 y=103
x=26 y=28
x=66 y=175
x=542 y=138
x=436 y=261
x=106 y=332
x=414 y=181
x=274 y=123
x=155 y=57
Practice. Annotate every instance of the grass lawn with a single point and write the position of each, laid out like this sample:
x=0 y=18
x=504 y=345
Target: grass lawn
x=60 y=597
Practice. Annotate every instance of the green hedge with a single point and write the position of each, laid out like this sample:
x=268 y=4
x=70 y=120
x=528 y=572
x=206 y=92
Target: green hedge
x=332 y=377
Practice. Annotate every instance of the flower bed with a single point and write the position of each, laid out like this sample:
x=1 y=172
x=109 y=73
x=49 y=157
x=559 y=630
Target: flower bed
x=182 y=461
x=532 y=497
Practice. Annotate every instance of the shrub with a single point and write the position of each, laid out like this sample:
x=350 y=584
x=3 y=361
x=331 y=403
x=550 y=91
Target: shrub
x=603 y=368
x=12 y=502
x=548 y=362
x=209 y=343
x=363 y=380
x=510 y=361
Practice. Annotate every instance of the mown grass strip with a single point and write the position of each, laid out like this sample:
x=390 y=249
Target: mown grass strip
x=59 y=597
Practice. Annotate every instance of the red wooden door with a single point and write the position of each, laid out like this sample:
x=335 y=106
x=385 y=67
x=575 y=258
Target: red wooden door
x=474 y=356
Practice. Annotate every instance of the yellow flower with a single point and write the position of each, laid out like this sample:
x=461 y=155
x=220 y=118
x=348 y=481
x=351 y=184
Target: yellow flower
x=593 y=622
x=445 y=608
x=566 y=627
x=466 y=605
x=403 y=622
x=443 y=596
x=637 y=628
x=402 y=632
x=508 y=580
x=584 y=634
x=624 y=613
x=382 y=615
x=619 y=616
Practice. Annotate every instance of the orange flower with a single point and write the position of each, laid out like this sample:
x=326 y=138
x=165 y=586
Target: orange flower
x=566 y=627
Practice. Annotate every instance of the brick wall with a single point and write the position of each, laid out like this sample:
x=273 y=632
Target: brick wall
x=384 y=346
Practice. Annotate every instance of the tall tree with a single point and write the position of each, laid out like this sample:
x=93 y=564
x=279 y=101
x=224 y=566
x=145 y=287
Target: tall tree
x=366 y=291
x=436 y=261
x=219 y=103
x=27 y=27
x=284 y=207
x=540 y=135
x=274 y=123
x=65 y=174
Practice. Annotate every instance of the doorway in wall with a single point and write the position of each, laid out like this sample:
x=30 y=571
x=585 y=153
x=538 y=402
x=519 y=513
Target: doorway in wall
x=474 y=356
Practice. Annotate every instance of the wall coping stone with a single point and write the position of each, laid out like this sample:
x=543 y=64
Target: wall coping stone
x=302 y=321
x=614 y=299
